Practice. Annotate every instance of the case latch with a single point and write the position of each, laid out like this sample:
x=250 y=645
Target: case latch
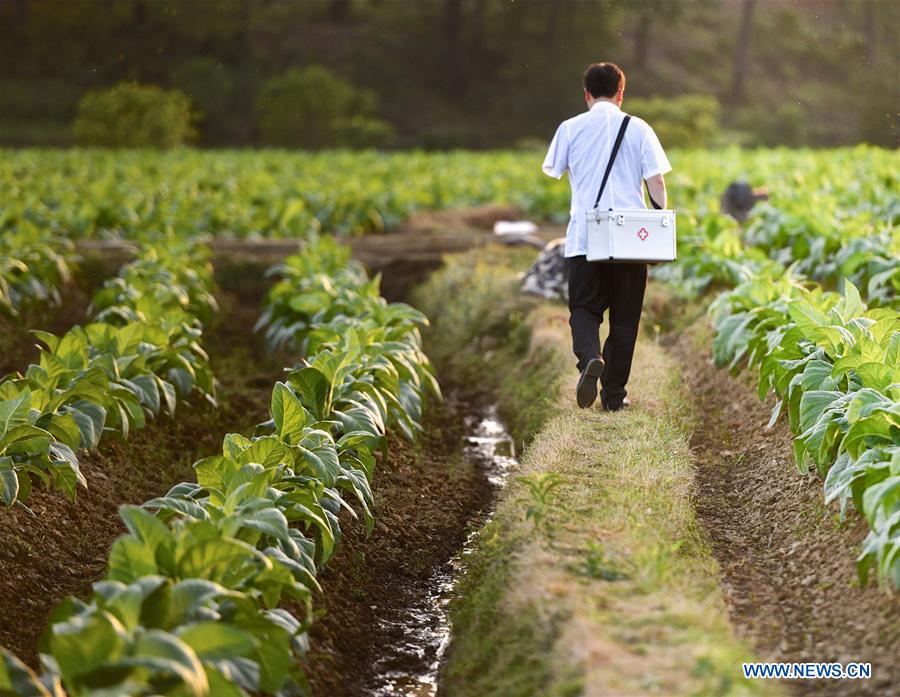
x=620 y=220
x=665 y=221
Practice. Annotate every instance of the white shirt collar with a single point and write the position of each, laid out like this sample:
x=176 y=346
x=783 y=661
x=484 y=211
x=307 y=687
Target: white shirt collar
x=604 y=104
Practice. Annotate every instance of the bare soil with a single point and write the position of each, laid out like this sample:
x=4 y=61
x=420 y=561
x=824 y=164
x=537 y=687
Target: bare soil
x=787 y=561
x=426 y=495
x=61 y=549
x=18 y=347
x=474 y=217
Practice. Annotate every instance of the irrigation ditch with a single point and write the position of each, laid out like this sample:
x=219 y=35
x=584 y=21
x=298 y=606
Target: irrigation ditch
x=412 y=665
x=386 y=626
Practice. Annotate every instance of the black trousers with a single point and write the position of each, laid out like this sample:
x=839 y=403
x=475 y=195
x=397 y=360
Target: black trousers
x=595 y=287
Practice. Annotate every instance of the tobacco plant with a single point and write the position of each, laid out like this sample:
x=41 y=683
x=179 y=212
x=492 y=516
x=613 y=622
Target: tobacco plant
x=33 y=267
x=834 y=365
x=109 y=376
x=170 y=274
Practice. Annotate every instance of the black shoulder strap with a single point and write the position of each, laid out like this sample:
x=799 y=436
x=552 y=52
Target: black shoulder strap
x=612 y=158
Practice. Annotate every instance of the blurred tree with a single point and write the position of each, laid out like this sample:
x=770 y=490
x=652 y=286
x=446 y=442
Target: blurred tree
x=481 y=73
x=645 y=15
x=210 y=87
x=742 y=51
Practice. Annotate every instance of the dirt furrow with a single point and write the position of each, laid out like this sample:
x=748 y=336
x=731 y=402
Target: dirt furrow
x=427 y=494
x=787 y=561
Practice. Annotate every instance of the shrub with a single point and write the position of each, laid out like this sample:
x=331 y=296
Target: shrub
x=690 y=121
x=130 y=115
x=314 y=108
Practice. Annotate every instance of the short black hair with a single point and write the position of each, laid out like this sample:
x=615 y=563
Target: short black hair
x=603 y=79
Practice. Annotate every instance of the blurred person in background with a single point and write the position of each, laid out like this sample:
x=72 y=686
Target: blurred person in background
x=739 y=198
x=582 y=147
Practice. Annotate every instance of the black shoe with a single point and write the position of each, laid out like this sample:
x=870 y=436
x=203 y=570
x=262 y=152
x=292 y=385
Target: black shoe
x=622 y=405
x=586 y=391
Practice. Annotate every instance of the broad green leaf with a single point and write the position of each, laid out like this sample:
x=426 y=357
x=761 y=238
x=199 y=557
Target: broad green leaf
x=161 y=651
x=130 y=559
x=212 y=559
x=219 y=684
x=268 y=451
x=812 y=405
x=85 y=642
x=65 y=429
x=90 y=419
x=288 y=413
x=144 y=526
x=14 y=412
x=314 y=390
x=216 y=640
x=9 y=486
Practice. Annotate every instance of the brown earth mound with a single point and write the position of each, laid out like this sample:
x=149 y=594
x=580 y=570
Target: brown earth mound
x=474 y=217
x=787 y=561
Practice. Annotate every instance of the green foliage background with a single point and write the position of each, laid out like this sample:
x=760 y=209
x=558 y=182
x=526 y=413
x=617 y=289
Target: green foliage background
x=447 y=73
x=686 y=122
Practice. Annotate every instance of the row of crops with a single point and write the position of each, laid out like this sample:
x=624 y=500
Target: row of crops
x=210 y=591
x=140 y=354
x=831 y=196
x=834 y=366
x=84 y=194
x=811 y=299
x=831 y=216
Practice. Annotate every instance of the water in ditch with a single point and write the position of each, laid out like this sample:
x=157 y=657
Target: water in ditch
x=410 y=664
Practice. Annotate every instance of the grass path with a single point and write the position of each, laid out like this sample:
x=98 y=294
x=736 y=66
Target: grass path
x=608 y=587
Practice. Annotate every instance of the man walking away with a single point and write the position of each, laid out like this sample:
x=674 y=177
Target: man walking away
x=582 y=147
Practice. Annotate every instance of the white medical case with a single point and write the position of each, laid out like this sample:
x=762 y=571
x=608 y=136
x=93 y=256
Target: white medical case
x=638 y=235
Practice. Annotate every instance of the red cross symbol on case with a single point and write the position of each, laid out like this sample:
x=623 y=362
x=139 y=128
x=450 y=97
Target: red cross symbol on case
x=643 y=234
